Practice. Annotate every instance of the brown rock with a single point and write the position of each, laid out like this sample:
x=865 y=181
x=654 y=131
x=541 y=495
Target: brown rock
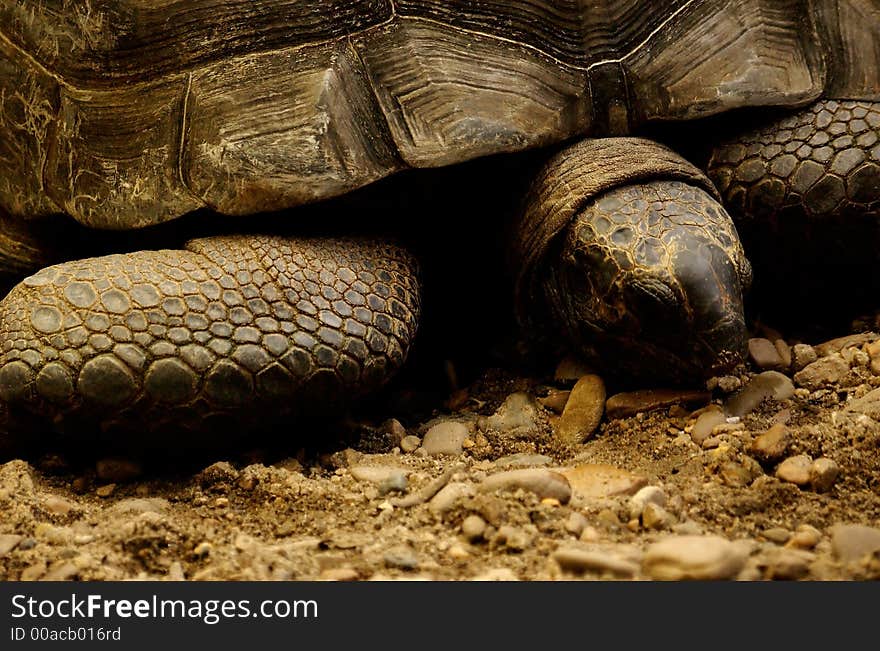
x=540 y=481
x=772 y=445
x=764 y=355
x=591 y=480
x=706 y=422
x=873 y=350
x=555 y=400
x=836 y=345
x=784 y=351
x=822 y=372
x=868 y=404
x=802 y=355
x=624 y=405
x=823 y=474
x=769 y=385
x=8 y=542
x=576 y=559
x=445 y=438
x=583 y=411
x=678 y=558
x=795 y=470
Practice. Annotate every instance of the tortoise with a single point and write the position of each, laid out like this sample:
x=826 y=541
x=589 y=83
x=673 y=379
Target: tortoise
x=122 y=114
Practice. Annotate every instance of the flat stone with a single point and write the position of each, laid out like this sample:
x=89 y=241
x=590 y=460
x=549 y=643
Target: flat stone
x=595 y=480
x=59 y=505
x=540 y=481
x=838 y=344
x=772 y=445
x=706 y=422
x=576 y=523
x=764 y=355
x=852 y=542
x=769 y=385
x=823 y=474
x=339 y=574
x=401 y=557
x=575 y=559
x=583 y=411
x=822 y=372
x=523 y=460
x=804 y=537
x=517 y=414
x=379 y=475
x=449 y=495
x=139 y=505
x=624 y=405
x=784 y=351
x=709 y=558
x=8 y=542
x=795 y=470
x=802 y=355
x=445 y=439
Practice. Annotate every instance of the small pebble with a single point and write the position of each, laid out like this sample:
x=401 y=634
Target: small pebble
x=706 y=422
x=624 y=405
x=645 y=496
x=764 y=355
x=574 y=559
x=410 y=443
x=33 y=572
x=693 y=557
x=339 y=574
x=823 y=474
x=175 y=572
x=590 y=534
x=394 y=430
x=203 y=549
x=60 y=571
x=802 y=355
x=511 y=538
x=523 y=460
x=784 y=351
x=445 y=439
x=458 y=552
x=401 y=557
x=449 y=495
x=772 y=445
x=591 y=480
x=542 y=482
x=497 y=574
x=59 y=506
x=472 y=528
x=106 y=490
x=795 y=470
x=583 y=411
x=778 y=535
x=555 y=400
x=116 y=469
x=517 y=415
x=763 y=386
x=823 y=372
x=655 y=516
x=804 y=537
x=788 y=564
x=849 y=341
x=576 y=523
x=221 y=472
x=852 y=542
x=380 y=475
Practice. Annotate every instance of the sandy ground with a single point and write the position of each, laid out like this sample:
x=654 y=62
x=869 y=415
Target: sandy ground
x=760 y=477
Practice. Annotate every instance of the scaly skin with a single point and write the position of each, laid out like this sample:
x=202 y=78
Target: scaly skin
x=230 y=332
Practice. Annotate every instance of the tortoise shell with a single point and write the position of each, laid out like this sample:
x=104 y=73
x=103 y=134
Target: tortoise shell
x=125 y=113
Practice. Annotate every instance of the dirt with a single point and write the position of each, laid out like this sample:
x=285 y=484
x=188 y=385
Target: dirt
x=368 y=510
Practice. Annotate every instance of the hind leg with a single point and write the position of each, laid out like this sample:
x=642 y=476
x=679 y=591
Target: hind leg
x=804 y=191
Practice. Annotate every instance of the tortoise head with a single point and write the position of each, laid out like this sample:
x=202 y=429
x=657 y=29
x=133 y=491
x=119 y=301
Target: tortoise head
x=645 y=278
